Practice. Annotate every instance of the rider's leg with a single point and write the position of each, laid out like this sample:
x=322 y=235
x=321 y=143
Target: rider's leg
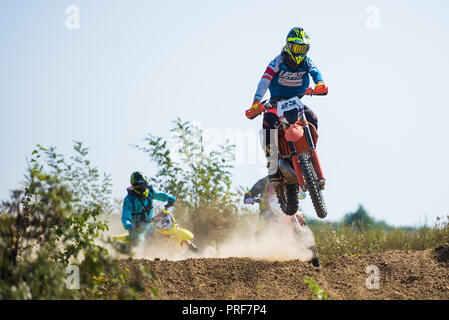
x=138 y=235
x=270 y=122
x=311 y=116
x=135 y=237
x=148 y=230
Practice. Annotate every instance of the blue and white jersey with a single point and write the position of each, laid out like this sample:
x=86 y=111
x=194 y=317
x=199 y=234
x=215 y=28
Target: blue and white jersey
x=284 y=83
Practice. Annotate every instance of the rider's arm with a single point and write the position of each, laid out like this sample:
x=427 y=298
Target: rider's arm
x=161 y=196
x=127 y=214
x=313 y=71
x=268 y=75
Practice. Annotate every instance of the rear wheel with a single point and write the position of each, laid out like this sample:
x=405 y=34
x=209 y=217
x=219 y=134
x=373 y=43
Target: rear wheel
x=313 y=185
x=288 y=198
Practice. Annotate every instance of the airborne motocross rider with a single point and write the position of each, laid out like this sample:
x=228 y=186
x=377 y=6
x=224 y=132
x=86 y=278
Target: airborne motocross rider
x=286 y=76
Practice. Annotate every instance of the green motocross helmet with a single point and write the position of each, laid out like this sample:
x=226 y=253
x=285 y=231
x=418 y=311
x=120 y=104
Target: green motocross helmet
x=139 y=181
x=297 y=44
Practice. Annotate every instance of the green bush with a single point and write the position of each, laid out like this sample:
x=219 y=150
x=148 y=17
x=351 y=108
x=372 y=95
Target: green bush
x=200 y=181
x=53 y=223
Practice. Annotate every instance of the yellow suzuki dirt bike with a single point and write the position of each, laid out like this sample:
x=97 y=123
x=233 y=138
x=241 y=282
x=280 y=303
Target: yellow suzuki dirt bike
x=165 y=225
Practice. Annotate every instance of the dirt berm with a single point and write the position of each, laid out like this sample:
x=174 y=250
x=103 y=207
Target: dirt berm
x=403 y=275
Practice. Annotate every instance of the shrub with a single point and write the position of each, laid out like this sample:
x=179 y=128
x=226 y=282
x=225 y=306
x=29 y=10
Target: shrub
x=52 y=223
x=200 y=181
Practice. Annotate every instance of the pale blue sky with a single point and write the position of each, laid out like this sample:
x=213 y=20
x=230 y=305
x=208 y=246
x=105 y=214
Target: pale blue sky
x=134 y=66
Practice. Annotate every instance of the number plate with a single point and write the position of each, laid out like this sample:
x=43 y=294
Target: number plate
x=290 y=104
x=165 y=223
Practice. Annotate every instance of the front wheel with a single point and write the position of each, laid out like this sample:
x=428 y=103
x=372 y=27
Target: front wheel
x=313 y=185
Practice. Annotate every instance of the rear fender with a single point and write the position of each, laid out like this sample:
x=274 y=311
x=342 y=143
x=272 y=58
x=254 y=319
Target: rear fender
x=122 y=238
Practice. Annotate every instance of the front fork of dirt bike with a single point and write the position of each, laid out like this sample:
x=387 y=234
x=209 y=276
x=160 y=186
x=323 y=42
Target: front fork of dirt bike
x=312 y=149
x=315 y=160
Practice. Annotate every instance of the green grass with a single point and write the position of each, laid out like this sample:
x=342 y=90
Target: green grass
x=336 y=240
x=315 y=292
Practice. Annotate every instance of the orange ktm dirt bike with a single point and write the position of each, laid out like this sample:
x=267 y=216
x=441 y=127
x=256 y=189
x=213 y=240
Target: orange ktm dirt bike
x=298 y=162
x=166 y=226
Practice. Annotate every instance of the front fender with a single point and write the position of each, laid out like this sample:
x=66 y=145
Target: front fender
x=182 y=234
x=178 y=233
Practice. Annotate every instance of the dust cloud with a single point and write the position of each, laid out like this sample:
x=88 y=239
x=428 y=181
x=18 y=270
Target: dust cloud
x=280 y=241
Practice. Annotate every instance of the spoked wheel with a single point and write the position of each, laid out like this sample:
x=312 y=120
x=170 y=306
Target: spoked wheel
x=288 y=198
x=313 y=185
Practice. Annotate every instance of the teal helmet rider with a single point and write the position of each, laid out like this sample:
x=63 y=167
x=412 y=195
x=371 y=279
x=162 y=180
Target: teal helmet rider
x=137 y=210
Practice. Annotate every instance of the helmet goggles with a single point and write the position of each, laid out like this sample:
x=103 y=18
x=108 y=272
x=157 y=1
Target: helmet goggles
x=298 y=48
x=139 y=181
x=141 y=185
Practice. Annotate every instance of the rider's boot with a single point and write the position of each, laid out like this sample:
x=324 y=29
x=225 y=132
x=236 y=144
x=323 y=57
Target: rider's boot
x=272 y=163
x=301 y=218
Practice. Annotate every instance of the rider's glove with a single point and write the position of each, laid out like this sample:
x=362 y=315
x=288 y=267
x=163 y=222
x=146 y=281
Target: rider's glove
x=129 y=225
x=255 y=110
x=320 y=88
x=170 y=201
x=247 y=199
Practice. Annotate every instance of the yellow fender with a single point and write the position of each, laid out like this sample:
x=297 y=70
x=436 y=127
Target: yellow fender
x=180 y=234
x=124 y=237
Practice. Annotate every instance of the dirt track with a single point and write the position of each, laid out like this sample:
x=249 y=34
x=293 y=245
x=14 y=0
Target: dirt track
x=403 y=275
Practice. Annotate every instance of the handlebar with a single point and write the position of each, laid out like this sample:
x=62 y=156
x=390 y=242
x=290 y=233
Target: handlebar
x=169 y=204
x=322 y=91
x=252 y=112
